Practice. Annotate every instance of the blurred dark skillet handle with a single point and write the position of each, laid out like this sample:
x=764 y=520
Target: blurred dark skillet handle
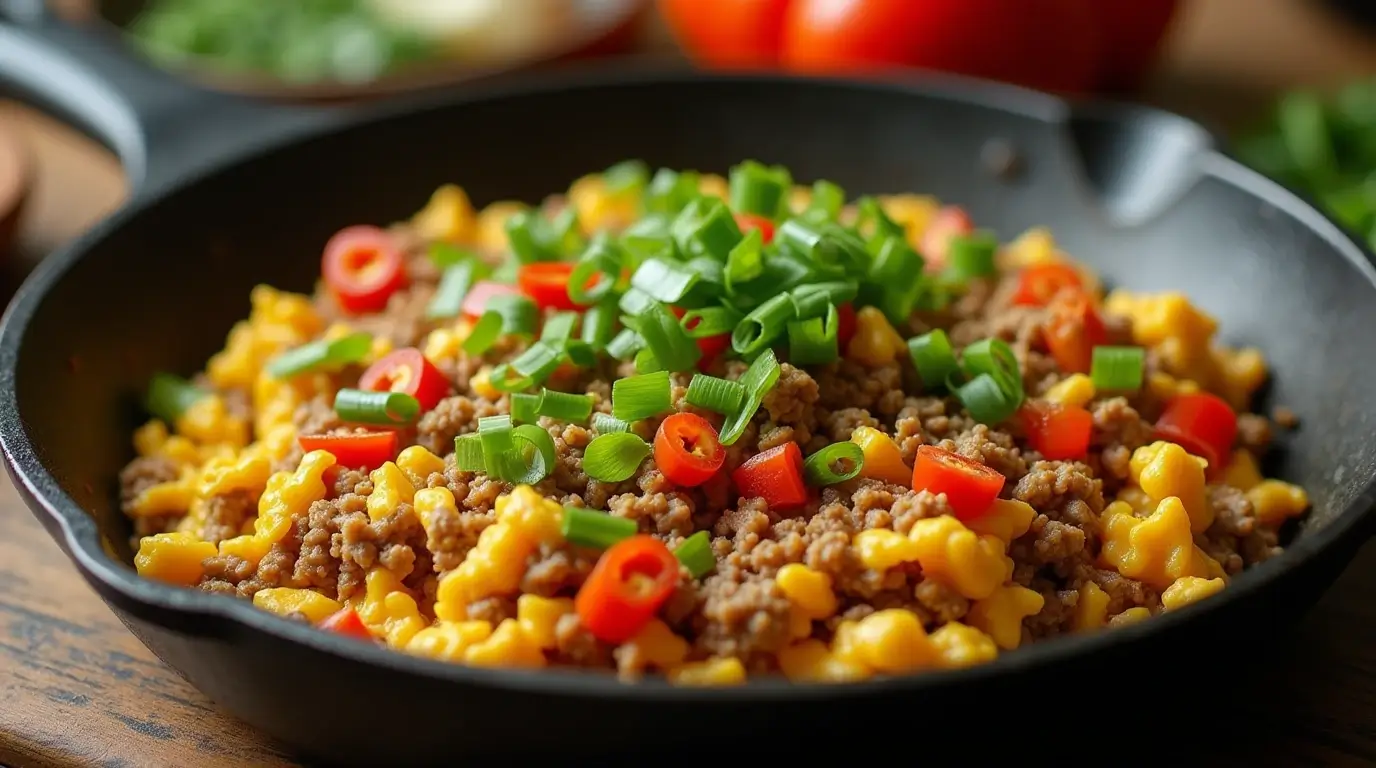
x=162 y=128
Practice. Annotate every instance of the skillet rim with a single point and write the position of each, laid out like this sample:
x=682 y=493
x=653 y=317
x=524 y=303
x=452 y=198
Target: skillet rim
x=226 y=617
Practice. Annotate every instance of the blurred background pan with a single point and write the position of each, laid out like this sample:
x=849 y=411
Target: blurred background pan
x=327 y=50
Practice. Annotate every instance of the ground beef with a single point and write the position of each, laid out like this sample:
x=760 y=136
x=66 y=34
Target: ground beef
x=226 y=514
x=742 y=615
x=1284 y=417
x=453 y=416
x=1253 y=432
x=143 y=473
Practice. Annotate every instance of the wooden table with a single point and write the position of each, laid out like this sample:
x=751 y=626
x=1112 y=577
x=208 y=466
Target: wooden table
x=76 y=689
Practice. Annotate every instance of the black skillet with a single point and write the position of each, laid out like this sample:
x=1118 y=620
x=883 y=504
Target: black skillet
x=229 y=194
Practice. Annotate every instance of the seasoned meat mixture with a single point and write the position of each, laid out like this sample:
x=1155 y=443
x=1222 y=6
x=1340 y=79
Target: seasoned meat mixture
x=673 y=425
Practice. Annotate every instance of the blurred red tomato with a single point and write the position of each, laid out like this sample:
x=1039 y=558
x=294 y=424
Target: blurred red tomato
x=728 y=33
x=1059 y=45
x=1133 y=32
x=1049 y=44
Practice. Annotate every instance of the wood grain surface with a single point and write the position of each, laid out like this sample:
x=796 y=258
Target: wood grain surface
x=76 y=689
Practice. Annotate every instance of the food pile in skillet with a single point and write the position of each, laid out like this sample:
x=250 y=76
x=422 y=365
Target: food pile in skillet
x=708 y=428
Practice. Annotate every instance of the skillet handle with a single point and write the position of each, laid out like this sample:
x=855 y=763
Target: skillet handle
x=161 y=128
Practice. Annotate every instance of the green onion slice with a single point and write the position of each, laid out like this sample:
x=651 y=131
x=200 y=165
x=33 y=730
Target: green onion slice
x=714 y=394
x=764 y=324
x=821 y=467
x=599 y=325
x=614 y=457
x=758 y=380
x=445 y=255
x=971 y=256
x=706 y=228
x=634 y=301
x=169 y=396
x=525 y=408
x=827 y=201
x=590 y=528
x=321 y=354
x=876 y=222
x=523 y=454
x=565 y=406
x=640 y=397
x=1117 y=369
x=529 y=369
x=647 y=237
x=386 y=408
x=602 y=260
x=528 y=236
x=468 y=453
x=987 y=400
x=646 y=362
x=453 y=287
x=625 y=344
x=558 y=328
x=814 y=341
x=669 y=191
x=520 y=315
x=484 y=334
x=695 y=553
x=671 y=346
x=828 y=246
x=933 y=358
x=666 y=281
x=606 y=424
x=745 y=262
x=536 y=453
x=760 y=190
x=580 y=353
x=812 y=300
x=996 y=358
x=627 y=176
x=710 y=321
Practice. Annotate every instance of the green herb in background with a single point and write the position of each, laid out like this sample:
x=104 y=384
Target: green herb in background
x=1324 y=146
x=299 y=41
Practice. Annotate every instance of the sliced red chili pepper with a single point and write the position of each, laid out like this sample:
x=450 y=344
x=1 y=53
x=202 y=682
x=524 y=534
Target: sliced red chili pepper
x=1058 y=432
x=1038 y=284
x=547 y=282
x=1201 y=423
x=845 y=325
x=949 y=221
x=346 y=622
x=775 y=476
x=362 y=267
x=368 y=450
x=476 y=301
x=749 y=221
x=630 y=582
x=970 y=487
x=407 y=370
x=1073 y=330
x=687 y=450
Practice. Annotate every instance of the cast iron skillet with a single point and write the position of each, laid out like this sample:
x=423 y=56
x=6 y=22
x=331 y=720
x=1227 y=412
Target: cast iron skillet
x=230 y=194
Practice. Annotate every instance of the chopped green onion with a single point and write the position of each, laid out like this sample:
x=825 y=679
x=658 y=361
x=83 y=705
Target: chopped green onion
x=169 y=396
x=665 y=338
x=625 y=344
x=897 y=270
x=361 y=406
x=484 y=334
x=525 y=408
x=710 y=321
x=599 y=325
x=971 y=256
x=321 y=354
x=745 y=262
x=829 y=246
x=565 y=406
x=666 y=281
x=580 y=353
x=760 y=190
x=695 y=553
x=530 y=368
x=827 y=201
x=758 y=380
x=711 y=281
x=558 y=328
x=536 y=454
x=706 y=228
x=996 y=358
x=764 y=324
x=601 y=260
x=814 y=341
x=669 y=191
x=534 y=238
x=812 y=300
x=468 y=453
x=820 y=467
x=519 y=314
x=720 y=395
x=933 y=358
x=590 y=528
x=646 y=362
x=635 y=301
x=640 y=397
x=627 y=176
x=453 y=287
x=500 y=459
x=606 y=424
x=987 y=400
x=647 y=237
x=507 y=272
x=873 y=218
x=1117 y=369
x=614 y=457
x=445 y=255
